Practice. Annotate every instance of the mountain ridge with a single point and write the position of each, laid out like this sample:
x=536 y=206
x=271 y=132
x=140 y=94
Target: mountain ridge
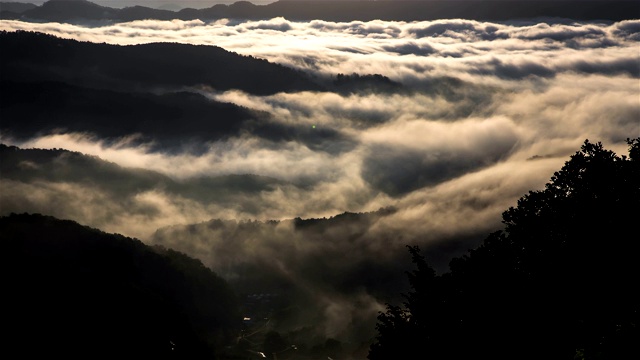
x=78 y=11
x=34 y=56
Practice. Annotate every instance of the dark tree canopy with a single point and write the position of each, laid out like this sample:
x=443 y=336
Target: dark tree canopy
x=558 y=282
x=75 y=292
x=368 y=83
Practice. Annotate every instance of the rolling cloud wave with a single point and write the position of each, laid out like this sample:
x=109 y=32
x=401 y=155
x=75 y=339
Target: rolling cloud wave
x=486 y=112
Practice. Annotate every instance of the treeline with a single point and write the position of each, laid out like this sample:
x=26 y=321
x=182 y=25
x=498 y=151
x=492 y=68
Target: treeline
x=38 y=57
x=77 y=292
x=357 y=83
x=53 y=85
x=559 y=282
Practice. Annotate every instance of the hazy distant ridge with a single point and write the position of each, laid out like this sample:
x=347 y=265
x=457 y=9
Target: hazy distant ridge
x=16 y=7
x=82 y=10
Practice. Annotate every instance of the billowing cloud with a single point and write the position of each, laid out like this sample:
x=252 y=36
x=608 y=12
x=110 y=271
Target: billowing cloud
x=407 y=156
x=395 y=49
x=485 y=113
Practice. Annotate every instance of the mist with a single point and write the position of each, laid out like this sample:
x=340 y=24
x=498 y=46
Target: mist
x=484 y=112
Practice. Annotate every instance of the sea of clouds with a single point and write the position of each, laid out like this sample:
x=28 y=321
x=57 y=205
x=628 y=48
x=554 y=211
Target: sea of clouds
x=488 y=112
x=494 y=109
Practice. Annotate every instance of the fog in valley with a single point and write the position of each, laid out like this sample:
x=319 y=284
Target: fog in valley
x=396 y=133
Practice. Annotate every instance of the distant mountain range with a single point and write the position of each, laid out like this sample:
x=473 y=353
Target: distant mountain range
x=16 y=7
x=79 y=11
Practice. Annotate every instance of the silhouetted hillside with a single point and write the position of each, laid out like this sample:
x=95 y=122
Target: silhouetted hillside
x=70 y=10
x=80 y=11
x=76 y=292
x=172 y=120
x=482 y=10
x=557 y=283
x=166 y=122
x=62 y=166
x=33 y=57
x=369 y=83
x=141 y=12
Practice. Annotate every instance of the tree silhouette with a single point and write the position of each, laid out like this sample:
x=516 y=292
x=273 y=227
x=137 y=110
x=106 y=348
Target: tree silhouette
x=556 y=283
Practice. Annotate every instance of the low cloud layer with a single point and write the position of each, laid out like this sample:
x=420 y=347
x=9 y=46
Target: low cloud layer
x=487 y=112
x=400 y=50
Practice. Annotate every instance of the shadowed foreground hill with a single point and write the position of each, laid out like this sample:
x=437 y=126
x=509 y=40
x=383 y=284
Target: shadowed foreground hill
x=559 y=282
x=77 y=292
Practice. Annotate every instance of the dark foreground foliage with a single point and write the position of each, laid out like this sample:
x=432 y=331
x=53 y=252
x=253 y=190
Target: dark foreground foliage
x=75 y=292
x=559 y=282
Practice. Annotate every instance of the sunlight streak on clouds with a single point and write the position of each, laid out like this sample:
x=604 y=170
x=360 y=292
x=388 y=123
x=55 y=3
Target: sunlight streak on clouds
x=400 y=50
x=452 y=148
x=486 y=113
